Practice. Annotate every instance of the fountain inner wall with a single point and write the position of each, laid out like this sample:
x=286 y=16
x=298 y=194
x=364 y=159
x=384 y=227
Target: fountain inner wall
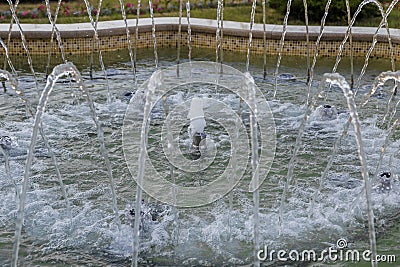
x=79 y=38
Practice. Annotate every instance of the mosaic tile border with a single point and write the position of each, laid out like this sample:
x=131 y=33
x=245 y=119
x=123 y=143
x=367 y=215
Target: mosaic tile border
x=78 y=38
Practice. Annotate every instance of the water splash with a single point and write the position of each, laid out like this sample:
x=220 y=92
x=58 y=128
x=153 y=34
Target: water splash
x=389 y=134
x=135 y=241
x=218 y=35
x=383 y=22
x=170 y=148
x=175 y=211
x=24 y=42
x=263 y=3
x=316 y=50
x=128 y=37
x=153 y=33
x=150 y=91
x=338 y=58
x=282 y=44
x=96 y=36
x=189 y=43
x=351 y=45
x=58 y=71
x=54 y=29
x=292 y=160
x=254 y=139
x=221 y=50
x=178 y=45
x=337 y=79
x=94 y=39
x=218 y=41
x=9 y=35
x=8 y=60
x=380 y=81
x=14 y=84
x=375 y=40
x=5 y=75
x=136 y=41
x=4 y=152
x=307 y=39
x=387 y=106
x=189 y=29
x=309 y=106
x=52 y=33
x=254 y=164
x=253 y=11
x=328 y=166
x=154 y=83
x=30 y=110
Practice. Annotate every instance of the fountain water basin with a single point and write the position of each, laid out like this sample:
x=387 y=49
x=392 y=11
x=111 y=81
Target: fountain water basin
x=280 y=169
x=206 y=235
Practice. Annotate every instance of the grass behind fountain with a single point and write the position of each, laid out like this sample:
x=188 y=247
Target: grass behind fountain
x=233 y=10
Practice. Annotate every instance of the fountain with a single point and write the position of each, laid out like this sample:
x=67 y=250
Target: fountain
x=213 y=161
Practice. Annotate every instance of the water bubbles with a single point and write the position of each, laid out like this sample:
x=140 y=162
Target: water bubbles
x=325 y=113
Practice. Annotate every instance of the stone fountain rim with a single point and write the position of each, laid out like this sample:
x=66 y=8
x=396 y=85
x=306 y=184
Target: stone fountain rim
x=231 y=28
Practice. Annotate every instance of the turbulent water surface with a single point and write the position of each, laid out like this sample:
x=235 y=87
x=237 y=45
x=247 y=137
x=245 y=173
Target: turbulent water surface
x=213 y=234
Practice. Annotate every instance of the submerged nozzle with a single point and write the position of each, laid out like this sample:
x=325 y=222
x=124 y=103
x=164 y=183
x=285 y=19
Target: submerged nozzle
x=385 y=183
x=5 y=142
x=196 y=140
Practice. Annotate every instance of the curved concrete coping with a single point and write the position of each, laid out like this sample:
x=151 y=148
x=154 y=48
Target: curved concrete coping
x=231 y=28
